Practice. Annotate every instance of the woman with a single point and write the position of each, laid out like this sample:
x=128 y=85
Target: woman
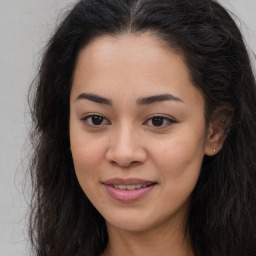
x=144 y=133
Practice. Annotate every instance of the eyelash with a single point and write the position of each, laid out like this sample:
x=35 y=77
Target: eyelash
x=161 y=118
x=89 y=117
x=164 y=119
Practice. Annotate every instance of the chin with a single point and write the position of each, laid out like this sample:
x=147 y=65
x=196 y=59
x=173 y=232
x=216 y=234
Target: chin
x=130 y=225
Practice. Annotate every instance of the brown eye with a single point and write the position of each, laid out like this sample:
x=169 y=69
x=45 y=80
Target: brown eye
x=159 y=121
x=95 y=120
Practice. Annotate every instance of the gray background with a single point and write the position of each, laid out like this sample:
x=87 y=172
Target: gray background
x=25 y=26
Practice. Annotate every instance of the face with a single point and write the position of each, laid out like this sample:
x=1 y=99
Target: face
x=137 y=131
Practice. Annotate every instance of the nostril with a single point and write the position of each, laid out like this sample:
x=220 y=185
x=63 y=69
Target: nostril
x=124 y=164
x=125 y=155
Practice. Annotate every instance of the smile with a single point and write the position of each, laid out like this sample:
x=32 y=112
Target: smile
x=130 y=187
x=128 y=190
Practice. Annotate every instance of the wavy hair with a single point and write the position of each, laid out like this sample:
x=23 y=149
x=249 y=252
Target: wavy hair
x=222 y=214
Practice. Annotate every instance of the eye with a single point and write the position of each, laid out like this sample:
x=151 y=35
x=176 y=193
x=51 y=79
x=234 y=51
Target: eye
x=159 y=121
x=95 y=120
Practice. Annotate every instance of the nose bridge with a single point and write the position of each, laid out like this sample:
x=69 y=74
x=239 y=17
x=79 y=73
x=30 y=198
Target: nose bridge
x=124 y=136
x=125 y=146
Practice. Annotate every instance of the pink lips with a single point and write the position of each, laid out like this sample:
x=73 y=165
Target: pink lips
x=126 y=196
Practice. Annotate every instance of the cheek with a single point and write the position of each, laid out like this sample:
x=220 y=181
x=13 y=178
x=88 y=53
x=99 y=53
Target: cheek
x=180 y=156
x=86 y=164
x=85 y=155
x=88 y=161
x=85 y=149
x=178 y=162
x=87 y=158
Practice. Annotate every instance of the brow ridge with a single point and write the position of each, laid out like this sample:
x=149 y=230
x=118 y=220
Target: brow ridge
x=140 y=102
x=94 y=98
x=157 y=98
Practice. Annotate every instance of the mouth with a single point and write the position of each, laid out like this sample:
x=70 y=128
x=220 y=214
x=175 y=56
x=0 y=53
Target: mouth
x=128 y=190
x=130 y=187
x=127 y=182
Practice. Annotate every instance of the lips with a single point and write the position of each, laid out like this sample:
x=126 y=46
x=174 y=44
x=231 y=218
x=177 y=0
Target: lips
x=129 y=187
x=128 y=190
x=130 y=181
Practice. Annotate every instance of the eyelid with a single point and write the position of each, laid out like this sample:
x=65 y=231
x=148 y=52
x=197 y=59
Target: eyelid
x=106 y=122
x=85 y=118
x=169 y=119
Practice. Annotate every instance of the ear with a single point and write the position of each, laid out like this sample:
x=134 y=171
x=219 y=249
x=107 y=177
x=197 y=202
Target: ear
x=215 y=139
x=218 y=129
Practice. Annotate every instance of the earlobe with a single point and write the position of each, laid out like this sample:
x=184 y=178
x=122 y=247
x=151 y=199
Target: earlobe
x=215 y=139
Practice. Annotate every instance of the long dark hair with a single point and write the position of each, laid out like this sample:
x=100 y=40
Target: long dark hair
x=222 y=215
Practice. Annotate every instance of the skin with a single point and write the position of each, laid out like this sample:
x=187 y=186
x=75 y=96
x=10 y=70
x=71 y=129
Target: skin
x=127 y=144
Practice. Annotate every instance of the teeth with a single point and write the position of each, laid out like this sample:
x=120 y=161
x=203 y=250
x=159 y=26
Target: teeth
x=121 y=187
x=129 y=187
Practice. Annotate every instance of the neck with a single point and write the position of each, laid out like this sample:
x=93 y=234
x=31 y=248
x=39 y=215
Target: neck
x=164 y=241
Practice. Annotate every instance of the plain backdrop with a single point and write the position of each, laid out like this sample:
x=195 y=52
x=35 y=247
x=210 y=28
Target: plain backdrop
x=25 y=26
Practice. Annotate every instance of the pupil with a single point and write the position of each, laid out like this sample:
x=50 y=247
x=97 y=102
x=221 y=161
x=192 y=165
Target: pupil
x=157 y=121
x=97 y=120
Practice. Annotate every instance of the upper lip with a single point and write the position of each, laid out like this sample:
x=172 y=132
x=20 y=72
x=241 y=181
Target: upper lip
x=130 y=181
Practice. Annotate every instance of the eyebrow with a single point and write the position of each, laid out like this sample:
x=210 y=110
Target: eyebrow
x=94 y=98
x=157 y=98
x=139 y=102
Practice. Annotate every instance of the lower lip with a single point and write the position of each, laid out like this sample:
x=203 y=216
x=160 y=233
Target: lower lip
x=127 y=196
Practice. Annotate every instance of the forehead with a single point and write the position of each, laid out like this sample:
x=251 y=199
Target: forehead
x=125 y=45
x=131 y=65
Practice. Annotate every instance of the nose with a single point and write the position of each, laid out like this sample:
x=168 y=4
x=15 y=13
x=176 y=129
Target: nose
x=126 y=148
